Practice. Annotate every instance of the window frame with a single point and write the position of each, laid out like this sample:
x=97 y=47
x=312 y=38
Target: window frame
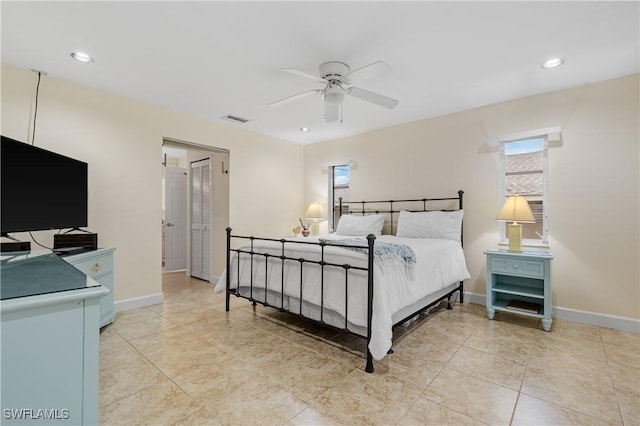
x=332 y=201
x=528 y=242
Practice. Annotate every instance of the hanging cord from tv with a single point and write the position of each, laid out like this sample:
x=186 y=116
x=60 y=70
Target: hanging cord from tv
x=35 y=112
x=34 y=240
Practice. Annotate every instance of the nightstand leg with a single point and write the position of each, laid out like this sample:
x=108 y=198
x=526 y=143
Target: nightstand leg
x=490 y=313
x=546 y=324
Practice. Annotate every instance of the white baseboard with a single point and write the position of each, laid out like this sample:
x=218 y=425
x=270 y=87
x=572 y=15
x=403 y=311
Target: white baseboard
x=591 y=318
x=477 y=299
x=601 y=320
x=138 y=302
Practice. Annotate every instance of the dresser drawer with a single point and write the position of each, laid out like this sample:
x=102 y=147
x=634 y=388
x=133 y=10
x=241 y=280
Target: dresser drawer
x=95 y=267
x=98 y=265
x=525 y=268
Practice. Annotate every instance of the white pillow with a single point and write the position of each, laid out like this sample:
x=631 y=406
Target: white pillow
x=436 y=224
x=360 y=225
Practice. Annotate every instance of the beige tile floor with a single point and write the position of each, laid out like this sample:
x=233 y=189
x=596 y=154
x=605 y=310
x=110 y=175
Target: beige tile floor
x=189 y=362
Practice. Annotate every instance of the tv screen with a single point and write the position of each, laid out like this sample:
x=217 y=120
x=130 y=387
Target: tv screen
x=40 y=189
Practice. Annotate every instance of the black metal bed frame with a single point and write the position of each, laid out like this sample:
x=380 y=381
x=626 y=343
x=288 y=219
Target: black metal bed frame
x=322 y=263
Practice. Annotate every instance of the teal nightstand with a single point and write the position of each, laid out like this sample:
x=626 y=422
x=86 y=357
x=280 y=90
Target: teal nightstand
x=519 y=282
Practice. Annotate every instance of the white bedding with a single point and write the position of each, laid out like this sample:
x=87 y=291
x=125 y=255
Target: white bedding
x=439 y=263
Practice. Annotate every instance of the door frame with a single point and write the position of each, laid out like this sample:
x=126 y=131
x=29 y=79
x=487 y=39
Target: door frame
x=191 y=147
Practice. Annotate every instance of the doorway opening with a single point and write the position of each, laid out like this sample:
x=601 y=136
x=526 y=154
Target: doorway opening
x=195 y=208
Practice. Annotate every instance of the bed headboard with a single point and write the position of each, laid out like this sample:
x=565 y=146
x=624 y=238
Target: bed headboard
x=393 y=207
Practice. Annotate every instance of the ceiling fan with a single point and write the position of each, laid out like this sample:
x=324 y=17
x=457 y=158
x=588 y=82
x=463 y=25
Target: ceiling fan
x=335 y=76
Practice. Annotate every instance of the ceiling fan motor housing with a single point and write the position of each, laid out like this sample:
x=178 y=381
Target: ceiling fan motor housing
x=333 y=70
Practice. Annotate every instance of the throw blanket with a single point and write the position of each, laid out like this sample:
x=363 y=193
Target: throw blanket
x=386 y=255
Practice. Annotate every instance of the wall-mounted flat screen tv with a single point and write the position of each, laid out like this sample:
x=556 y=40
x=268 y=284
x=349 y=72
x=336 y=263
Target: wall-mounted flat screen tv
x=40 y=189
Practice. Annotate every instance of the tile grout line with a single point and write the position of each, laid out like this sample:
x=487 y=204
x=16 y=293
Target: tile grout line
x=201 y=406
x=613 y=385
x=574 y=410
x=441 y=370
x=160 y=371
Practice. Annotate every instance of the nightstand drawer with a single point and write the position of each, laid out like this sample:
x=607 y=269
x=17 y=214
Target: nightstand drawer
x=525 y=268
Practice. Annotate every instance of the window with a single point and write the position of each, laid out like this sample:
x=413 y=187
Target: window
x=338 y=187
x=524 y=164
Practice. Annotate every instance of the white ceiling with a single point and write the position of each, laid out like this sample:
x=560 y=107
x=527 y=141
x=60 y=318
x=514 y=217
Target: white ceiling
x=210 y=59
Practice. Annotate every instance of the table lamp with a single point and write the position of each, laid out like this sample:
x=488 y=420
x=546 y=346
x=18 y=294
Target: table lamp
x=314 y=214
x=516 y=209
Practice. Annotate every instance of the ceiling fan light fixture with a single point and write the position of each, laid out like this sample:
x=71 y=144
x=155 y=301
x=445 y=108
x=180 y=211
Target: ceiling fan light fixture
x=552 y=63
x=333 y=97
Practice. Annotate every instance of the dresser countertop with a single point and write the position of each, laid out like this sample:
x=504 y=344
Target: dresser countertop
x=27 y=274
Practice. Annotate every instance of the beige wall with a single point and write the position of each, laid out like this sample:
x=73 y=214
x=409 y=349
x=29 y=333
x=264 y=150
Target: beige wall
x=593 y=183
x=121 y=139
x=593 y=196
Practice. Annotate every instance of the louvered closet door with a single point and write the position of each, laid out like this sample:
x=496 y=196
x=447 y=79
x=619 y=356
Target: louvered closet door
x=201 y=219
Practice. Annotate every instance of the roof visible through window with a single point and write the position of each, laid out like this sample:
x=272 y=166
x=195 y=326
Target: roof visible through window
x=524 y=167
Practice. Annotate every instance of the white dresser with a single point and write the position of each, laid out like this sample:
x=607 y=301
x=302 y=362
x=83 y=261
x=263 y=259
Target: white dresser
x=98 y=264
x=50 y=342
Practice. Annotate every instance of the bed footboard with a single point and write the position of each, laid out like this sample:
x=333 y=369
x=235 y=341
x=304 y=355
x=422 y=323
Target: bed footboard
x=282 y=258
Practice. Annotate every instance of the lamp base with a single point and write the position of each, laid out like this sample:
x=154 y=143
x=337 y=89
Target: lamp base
x=314 y=227
x=514 y=234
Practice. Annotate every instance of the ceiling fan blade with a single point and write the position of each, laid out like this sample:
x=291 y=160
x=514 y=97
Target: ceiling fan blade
x=332 y=112
x=372 y=97
x=294 y=97
x=304 y=74
x=368 y=71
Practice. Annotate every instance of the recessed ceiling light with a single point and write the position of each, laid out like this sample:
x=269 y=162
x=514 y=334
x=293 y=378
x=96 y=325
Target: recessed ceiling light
x=81 y=57
x=304 y=129
x=552 y=63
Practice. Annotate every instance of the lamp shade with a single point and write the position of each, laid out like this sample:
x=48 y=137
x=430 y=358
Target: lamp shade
x=314 y=212
x=516 y=209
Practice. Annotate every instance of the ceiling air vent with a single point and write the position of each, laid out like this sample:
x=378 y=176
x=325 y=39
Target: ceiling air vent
x=234 y=118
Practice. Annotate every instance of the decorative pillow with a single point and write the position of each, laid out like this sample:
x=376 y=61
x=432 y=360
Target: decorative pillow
x=360 y=225
x=436 y=224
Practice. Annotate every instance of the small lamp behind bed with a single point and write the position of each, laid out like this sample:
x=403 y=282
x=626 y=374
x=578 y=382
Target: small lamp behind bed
x=516 y=209
x=314 y=215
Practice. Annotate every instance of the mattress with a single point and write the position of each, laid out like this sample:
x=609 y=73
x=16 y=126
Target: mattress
x=439 y=265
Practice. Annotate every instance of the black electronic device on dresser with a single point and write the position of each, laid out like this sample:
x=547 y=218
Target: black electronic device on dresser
x=40 y=190
x=84 y=241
